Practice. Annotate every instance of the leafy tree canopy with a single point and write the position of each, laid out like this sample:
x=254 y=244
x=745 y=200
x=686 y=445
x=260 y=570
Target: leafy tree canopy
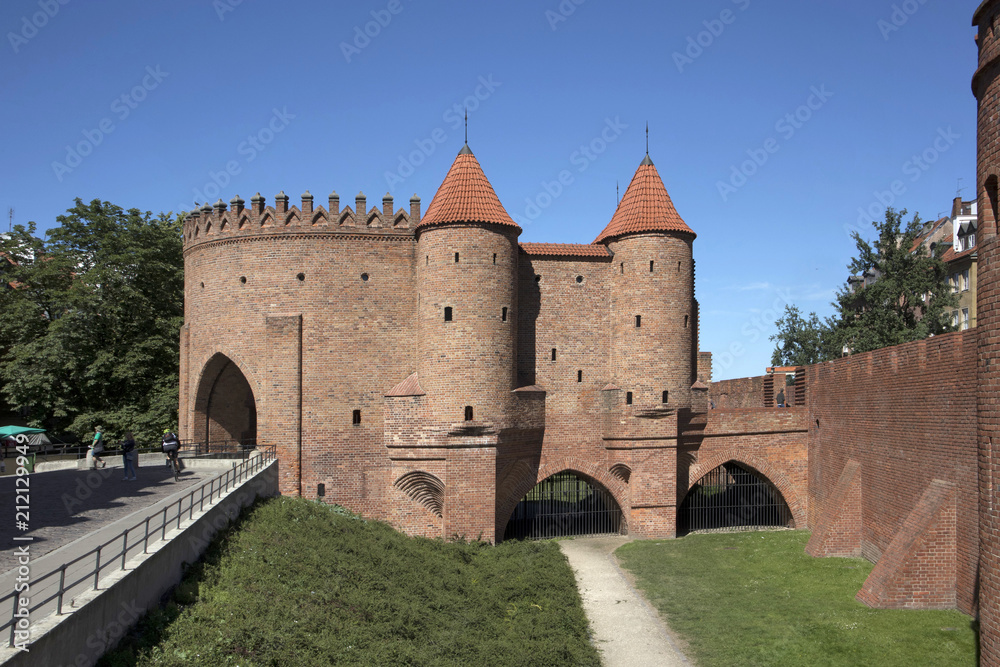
x=801 y=341
x=906 y=298
x=90 y=328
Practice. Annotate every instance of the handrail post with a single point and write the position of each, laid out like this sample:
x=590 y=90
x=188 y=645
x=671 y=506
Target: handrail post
x=97 y=570
x=124 y=547
x=62 y=588
x=13 y=623
x=145 y=539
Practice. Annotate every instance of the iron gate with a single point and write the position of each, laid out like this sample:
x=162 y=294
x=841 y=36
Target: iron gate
x=564 y=505
x=732 y=497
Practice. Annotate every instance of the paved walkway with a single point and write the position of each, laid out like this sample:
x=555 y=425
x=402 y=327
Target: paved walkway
x=626 y=629
x=66 y=505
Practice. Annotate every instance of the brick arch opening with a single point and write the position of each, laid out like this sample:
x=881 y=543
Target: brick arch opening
x=523 y=477
x=793 y=496
x=225 y=409
x=565 y=504
x=733 y=496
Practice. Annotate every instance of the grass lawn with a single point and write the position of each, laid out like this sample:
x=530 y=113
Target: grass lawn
x=758 y=599
x=297 y=582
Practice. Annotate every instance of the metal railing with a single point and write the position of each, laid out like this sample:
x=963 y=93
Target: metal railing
x=564 y=505
x=84 y=572
x=732 y=497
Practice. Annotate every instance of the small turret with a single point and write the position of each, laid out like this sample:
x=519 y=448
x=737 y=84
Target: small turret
x=653 y=355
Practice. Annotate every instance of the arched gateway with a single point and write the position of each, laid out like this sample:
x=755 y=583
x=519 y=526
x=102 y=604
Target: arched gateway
x=564 y=505
x=225 y=410
x=733 y=496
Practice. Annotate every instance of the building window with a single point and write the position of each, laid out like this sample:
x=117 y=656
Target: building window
x=954 y=318
x=553 y=354
x=666 y=396
x=965 y=280
x=468 y=413
x=638 y=320
x=650 y=266
x=623 y=268
x=494 y=258
x=954 y=282
x=965 y=319
x=447 y=313
x=628 y=398
x=685 y=321
x=356 y=417
x=579 y=376
x=456 y=258
x=320 y=490
x=503 y=314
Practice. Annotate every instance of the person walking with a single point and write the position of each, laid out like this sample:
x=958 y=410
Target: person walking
x=97 y=448
x=170 y=446
x=128 y=456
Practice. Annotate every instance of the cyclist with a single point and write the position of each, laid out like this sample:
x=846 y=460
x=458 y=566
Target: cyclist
x=170 y=446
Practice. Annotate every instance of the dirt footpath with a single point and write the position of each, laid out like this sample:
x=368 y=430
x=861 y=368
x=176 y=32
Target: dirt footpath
x=626 y=629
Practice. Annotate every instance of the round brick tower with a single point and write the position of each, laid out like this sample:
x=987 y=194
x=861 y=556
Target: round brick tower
x=986 y=87
x=652 y=295
x=467 y=256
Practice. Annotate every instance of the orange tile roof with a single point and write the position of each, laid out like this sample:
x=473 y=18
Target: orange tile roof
x=646 y=207
x=566 y=249
x=466 y=196
x=950 y=255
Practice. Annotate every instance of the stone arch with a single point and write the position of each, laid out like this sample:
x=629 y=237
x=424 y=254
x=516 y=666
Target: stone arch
x=293 y=218
x=374 y=219
x=267 y=220
x=593 y=471
x=244 y=221
x=402 y=220
x=226 y=401
x=791 y=496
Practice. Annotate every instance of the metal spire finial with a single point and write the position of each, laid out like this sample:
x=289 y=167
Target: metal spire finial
x=647 y=138
x=466 y=126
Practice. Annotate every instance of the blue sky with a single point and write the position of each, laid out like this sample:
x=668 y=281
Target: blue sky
x=775 y=125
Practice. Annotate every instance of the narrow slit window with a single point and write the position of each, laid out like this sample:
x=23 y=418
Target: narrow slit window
x=638 y=320
x=456 y=258
x=685 y=321
x=494 y=258
x=623 y=268
x=321 y=490
x=468 y=413
x=579 y=376
x=650 y=266
x=666 y=396
x=678 y=267
x=447 y=313
x=503 y=314
x=427 y=260
x=553 y=354
x=628 y=398
x=356 y=417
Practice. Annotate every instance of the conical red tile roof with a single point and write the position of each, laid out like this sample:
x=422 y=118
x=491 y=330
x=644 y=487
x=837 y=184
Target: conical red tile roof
x=646 y=207
x=466 y=196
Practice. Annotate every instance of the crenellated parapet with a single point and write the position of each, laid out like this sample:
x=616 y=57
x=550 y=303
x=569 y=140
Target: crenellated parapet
x=220 y=221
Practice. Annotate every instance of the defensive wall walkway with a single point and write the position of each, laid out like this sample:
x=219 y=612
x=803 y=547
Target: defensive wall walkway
x=80 y=560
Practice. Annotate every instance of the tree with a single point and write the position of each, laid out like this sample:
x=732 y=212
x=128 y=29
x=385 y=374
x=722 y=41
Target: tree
x=801 y=342
x=90 y=332
x=910 y=297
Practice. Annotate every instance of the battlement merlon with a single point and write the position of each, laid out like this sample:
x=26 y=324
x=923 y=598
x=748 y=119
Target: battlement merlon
x=219 y=221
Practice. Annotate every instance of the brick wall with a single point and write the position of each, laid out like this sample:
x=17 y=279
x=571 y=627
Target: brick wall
x=905 y=416
x=986 y=87
x=738 y=393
